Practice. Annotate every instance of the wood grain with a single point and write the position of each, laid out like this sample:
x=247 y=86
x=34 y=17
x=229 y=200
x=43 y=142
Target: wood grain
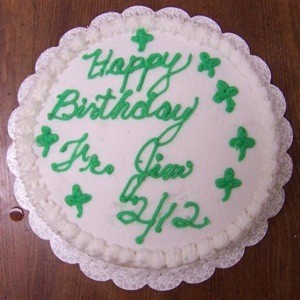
x=29 y=269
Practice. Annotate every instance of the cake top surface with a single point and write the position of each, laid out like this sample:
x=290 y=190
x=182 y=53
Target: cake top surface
x=153 y=141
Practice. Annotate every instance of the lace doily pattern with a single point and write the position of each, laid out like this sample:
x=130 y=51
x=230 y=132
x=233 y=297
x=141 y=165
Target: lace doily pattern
x=164 y=279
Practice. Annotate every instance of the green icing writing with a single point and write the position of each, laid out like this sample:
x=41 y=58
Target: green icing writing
x=162 y=220
x=77 y=198
x=147 y=161
x=99 y=65
x=225 y=93
x=46 y=140
x=208 y=63
x=228 y=183
x=190 y=222
x=142 y=38
x=70 y=105
x=81 y=151
x=127 y=217
x=119 y=67
x=242 y=142
x=160 y=214
x=164 y=81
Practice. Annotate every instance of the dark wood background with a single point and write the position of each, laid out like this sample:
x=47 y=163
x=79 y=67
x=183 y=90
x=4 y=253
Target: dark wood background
x=29 y=269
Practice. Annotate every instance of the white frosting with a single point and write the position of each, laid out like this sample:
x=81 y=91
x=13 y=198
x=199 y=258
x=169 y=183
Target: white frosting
x=204 y=139
x=97 y=247
x=205 y=249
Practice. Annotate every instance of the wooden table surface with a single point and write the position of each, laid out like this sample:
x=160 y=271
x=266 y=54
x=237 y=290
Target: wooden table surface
x=29 y=269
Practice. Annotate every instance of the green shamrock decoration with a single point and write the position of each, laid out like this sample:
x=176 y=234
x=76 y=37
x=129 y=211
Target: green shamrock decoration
x=242 y=142
x=208 y=63
x=46 y=139
x=78 y=199
x=225 y=92
x=142 y=38
x=228 y=183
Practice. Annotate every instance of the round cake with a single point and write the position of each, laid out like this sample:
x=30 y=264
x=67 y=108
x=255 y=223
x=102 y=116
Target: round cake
x=147 y=141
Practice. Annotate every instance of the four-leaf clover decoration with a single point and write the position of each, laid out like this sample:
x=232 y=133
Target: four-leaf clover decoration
x=142 y=38
x=228 y=183
x=225 y=92
x=242 y=142
x=46 y=139
x=77 y=198
x=208 y=63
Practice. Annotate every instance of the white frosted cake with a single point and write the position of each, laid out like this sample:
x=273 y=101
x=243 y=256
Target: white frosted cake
x=147 y=142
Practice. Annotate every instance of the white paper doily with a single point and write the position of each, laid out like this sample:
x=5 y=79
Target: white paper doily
x=166 y=279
